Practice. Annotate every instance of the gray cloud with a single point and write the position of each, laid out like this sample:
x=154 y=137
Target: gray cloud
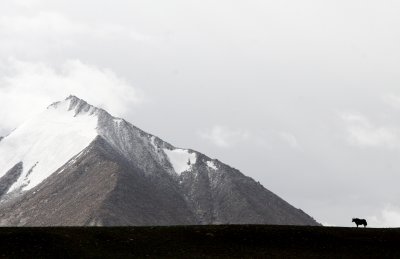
x=389 y=216
x=28 y=87
x=361 y=132
x=290 y=139
x=224 y=137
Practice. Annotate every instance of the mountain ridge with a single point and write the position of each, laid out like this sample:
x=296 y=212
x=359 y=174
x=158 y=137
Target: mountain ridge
x=125 y=177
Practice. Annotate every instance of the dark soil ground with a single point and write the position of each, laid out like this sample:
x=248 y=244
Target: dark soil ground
x=245 y=241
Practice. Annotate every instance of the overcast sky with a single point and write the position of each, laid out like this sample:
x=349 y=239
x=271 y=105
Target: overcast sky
x=303 y=96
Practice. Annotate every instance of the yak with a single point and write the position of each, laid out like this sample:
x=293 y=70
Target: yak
x=359 y=222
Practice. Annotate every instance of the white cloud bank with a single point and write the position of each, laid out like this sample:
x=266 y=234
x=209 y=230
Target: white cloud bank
x=392 y=100
x=27 y=3
x=361 y=132
x=27 y=87
x=48 y=31
x=289 y=138
x=389 y=217
x=224 y=137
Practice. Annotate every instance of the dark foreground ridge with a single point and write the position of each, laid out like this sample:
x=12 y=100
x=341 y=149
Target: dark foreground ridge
x=228 y=241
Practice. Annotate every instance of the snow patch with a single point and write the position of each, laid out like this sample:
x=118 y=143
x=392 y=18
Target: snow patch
x=48 y=141
x=153 y=142
x=181 y=159
x=212 y=165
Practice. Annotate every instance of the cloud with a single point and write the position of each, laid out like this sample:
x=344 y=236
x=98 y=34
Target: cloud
x=54 y=24
x=224 y=137
x=388 y=217
x=290 y=139
x=28 y=87
x=27 y=3
x=43 y=22
x=392 y=100
x=361 y=132
x=47 y=31
x=42 y=32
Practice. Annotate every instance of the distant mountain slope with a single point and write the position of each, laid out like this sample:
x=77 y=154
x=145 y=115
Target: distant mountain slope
x=76 y=165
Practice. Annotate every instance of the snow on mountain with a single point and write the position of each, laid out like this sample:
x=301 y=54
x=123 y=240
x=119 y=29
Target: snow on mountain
x=46 y=142
x=212 y=165
x=181 y=159
x=96 y=169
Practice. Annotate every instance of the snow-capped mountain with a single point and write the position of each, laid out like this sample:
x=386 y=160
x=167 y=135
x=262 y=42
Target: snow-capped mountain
x=75 y=164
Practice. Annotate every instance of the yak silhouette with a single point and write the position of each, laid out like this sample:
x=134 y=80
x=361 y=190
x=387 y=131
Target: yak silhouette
x=359 y=222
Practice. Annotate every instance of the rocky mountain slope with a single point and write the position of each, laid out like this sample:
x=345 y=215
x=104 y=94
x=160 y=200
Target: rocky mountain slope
x=76 y=165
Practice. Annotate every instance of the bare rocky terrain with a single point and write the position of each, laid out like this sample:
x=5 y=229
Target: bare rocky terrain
x=224 y=241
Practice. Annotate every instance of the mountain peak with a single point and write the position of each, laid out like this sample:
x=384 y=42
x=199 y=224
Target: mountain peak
x=79 y=105
x=74 y=103
x=74 y=98
x=75 y=155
